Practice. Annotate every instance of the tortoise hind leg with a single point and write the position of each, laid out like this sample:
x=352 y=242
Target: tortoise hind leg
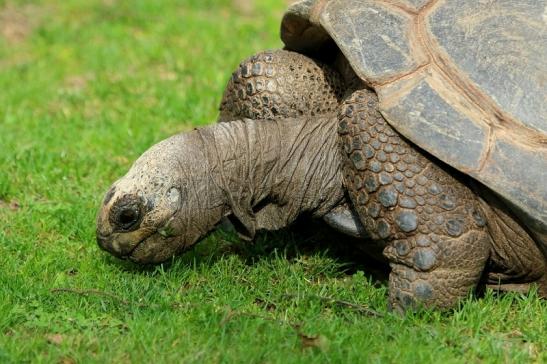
x=430 y=223
x=516 y=262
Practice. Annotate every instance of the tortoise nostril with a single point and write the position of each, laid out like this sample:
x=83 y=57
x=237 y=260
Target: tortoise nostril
x=126 y=213
x=128 y=217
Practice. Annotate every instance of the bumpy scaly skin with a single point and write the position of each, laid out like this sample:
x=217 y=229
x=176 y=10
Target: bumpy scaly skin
x=432 y=224
x=274 y=84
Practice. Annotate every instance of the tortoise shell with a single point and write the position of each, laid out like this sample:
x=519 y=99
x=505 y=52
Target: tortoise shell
x=464 y=80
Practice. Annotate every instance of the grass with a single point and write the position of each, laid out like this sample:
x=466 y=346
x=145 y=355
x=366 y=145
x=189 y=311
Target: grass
x=86 y=87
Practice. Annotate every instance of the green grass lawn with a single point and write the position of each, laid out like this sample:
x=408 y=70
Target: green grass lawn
x=85 y=87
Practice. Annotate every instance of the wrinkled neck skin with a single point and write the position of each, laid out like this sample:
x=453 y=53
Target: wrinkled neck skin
x=267 y=173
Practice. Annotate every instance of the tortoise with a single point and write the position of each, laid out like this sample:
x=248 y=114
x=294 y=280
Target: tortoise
x=418 y=127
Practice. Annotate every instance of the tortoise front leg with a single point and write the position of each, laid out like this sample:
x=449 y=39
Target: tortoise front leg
x=430 y=222
x=435 y=271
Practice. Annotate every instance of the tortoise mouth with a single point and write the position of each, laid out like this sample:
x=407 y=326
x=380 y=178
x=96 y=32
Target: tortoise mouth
x=110 y=244
x=156 y=249
x=130 y=254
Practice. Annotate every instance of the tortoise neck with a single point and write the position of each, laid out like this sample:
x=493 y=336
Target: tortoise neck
x=270 y=172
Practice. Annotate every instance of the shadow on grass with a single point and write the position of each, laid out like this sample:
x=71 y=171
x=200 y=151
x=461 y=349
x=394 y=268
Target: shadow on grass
x=305 y=238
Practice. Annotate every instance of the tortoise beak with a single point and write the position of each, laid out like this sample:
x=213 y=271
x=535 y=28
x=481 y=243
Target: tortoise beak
x=106 y=244
x=110 y=244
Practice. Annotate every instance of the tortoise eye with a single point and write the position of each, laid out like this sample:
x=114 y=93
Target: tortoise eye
x=127 y=213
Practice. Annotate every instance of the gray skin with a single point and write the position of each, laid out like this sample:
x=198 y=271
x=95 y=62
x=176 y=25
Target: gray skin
x=298 y=136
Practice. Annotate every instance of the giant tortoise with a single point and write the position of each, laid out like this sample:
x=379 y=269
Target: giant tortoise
x=417 y=126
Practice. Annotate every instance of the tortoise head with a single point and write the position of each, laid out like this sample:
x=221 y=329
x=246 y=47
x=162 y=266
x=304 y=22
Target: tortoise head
x=254 y=171
x=158 y=208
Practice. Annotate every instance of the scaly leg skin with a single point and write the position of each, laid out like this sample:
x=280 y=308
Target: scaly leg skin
x=430 y=223
x=281 y=84
x=516 y=262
